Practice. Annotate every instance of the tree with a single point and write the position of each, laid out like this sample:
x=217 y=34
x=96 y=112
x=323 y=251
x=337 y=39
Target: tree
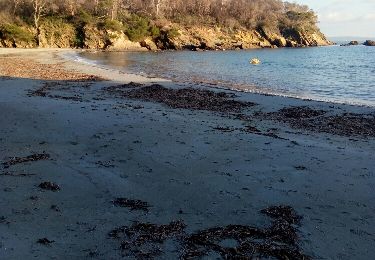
x=39 y=9
x=16 y=4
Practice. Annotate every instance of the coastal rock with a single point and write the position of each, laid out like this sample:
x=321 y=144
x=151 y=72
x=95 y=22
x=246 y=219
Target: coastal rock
x=7 y=43
x=351 y=43
x=149 y=44
x=369 y=43
x=304 y=38
x=56 y=34
x=14 y=36
x=206 y=38
x=61 y=34
x=273 y=37
x=118 y=41
x=93 y=38
x=251 y=40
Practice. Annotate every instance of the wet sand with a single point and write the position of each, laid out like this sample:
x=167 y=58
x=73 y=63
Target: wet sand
x=94 y=167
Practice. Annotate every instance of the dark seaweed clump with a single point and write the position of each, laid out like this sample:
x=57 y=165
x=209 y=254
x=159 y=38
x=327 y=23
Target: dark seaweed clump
x=132 y=204
x=142 y=240
x=346 y=124
x=47 y=88
x=45 y=241
x=187 y=98
x=295 y=113
x=49 y=186
x=118 y=88
x=280 y=240
x=286 y=213
x=30 y=158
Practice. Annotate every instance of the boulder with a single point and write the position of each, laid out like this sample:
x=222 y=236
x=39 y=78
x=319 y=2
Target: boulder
x=94 y=38
x=273 y=37
x=369 y=43
x=5 y=43
x=14 y=36
x=149 y=44
x=118 y=41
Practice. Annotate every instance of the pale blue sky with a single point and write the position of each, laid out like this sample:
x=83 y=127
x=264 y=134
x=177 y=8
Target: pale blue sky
x=344 y=17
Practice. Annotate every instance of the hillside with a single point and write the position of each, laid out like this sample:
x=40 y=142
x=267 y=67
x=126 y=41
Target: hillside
x=157 y=24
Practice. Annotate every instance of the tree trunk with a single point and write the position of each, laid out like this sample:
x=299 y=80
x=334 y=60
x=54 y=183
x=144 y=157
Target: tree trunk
x=71 y=8
x=39 y=6
x=96 y=7
x=158 y=7
x=114 y=9
x=15 y=6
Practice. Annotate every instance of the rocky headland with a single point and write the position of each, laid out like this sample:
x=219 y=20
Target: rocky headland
x=173 y=37
x=114 y=26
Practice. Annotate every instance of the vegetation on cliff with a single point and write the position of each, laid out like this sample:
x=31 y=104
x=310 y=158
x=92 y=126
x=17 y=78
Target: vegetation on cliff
x=152 y=24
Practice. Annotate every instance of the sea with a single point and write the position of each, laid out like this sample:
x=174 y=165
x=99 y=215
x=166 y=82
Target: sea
x=334 y=73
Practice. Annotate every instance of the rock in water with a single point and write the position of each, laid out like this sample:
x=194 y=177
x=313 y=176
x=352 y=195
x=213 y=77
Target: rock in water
x=255 y=61
x=351 y=43
x=369 y=43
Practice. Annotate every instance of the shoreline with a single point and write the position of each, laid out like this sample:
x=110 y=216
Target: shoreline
x=84 y=159
x=84 y=65
x=238 y=87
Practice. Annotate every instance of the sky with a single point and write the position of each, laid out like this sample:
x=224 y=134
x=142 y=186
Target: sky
x=340 y=18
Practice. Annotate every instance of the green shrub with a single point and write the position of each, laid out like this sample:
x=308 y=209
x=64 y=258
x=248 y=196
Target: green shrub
x=58 y=32
x=111 y=25
x=137 y=28
x=173 y=33
x=154 y=31
x=17 y=33
x=85 y=17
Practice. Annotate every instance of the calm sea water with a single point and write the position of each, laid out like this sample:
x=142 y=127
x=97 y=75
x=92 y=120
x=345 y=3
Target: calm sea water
x=338 y=74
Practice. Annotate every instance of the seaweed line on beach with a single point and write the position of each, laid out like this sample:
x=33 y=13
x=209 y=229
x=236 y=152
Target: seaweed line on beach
x=251 y=130
x=131 y=204
x=48 y=87
x=30 y=158
x=186 y=98
x=279 y=240
x=346 y=124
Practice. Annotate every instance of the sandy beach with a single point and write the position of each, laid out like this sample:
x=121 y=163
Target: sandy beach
x=98 y=164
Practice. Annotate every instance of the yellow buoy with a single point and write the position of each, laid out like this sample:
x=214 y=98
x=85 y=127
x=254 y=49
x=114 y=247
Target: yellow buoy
x=255 y=61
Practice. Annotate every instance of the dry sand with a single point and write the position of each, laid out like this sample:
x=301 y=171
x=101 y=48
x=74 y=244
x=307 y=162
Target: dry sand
x=69 y=149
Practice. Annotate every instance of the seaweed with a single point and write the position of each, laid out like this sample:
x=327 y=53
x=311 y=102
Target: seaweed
x=286 y=213
x=299 y=112
x=49 y=186
x=123 y=86
x=345 y=124
x=186 y=98
x=279 y=240
x=132 y=204
x=142 y=239
x=30 y=158
x=45 y=241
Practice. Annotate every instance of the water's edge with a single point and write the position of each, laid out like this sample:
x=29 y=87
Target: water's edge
x=220 y=84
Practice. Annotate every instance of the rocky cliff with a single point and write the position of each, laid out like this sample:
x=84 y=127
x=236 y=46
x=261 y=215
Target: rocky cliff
x=59 y=34
x=204 y=38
